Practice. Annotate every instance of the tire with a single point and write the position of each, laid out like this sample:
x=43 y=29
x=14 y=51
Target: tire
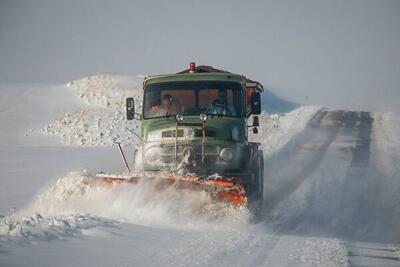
x=259 y=176
x=258 y=186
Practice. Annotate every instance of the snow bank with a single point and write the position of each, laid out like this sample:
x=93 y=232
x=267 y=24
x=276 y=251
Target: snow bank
x=277 y=130
x=102 y=119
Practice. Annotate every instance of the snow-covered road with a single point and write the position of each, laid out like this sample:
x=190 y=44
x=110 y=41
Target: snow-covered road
x=327 y=180
x=331 y=189
x=326 y=183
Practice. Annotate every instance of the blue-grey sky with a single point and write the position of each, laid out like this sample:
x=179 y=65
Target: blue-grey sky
x=340 y=53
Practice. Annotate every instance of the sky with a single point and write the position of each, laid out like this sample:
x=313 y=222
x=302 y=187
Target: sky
x=337 y=53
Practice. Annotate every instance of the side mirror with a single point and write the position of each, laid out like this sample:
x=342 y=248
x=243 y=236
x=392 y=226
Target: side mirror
x=255 y=103
x=130 y=108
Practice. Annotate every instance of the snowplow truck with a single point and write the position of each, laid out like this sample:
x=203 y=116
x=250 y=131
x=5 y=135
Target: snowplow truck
x=194 y=132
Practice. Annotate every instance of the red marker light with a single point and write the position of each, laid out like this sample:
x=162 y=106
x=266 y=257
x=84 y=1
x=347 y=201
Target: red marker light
x=192 y=67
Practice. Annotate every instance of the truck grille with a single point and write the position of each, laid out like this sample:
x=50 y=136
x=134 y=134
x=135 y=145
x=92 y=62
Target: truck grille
x=167 y=153
x=189 y=133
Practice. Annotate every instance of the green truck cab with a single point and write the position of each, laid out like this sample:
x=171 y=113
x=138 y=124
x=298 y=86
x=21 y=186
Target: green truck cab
x=198 y=121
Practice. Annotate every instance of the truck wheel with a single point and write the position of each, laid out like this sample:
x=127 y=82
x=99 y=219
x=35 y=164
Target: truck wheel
x=260 y=176
x=258 y=186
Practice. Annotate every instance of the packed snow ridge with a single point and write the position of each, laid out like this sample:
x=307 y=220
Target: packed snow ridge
x=102 y=120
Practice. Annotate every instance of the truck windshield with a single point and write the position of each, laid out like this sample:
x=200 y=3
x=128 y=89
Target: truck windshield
x=193 y=98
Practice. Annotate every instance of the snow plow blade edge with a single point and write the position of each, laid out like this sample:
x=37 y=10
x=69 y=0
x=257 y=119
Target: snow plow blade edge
x=224 y=189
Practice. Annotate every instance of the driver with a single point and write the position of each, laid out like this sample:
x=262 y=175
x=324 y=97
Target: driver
x=221 y=106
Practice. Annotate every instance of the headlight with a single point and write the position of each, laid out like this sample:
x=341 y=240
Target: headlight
x=203 y=117
x=152 y=155
x=179 y=117
x=226 y=154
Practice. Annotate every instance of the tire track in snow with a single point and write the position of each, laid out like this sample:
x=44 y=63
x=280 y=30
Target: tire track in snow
x=317 y=168
x=330 y=184
x=369 y=199
x=371 y=255
x=355 y=188
x=285 y=172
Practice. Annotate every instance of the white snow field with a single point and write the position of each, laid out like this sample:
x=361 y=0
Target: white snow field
x=331 y=188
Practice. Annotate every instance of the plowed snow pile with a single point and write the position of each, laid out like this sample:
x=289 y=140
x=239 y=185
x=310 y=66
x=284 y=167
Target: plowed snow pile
x=102 y=120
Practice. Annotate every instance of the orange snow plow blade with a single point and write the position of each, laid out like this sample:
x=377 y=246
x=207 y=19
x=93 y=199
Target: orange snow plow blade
x=220 y=188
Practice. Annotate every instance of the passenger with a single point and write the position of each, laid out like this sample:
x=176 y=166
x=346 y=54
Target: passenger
x=167 y=107
x=221 y=106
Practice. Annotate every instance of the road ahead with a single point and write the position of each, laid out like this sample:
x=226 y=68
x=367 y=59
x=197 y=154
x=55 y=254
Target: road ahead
x=326 y=183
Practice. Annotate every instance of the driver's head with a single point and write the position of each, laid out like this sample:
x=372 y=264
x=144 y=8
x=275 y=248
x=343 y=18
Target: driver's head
x=222 y=93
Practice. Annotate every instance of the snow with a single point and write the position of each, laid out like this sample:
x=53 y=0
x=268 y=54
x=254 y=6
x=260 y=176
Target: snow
x=50 y=206
x=386 y=131
x=323 y=251
x=101 y=122
x=292 y=250
x=141 y=204
x=37 y=227
x=276 y=130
